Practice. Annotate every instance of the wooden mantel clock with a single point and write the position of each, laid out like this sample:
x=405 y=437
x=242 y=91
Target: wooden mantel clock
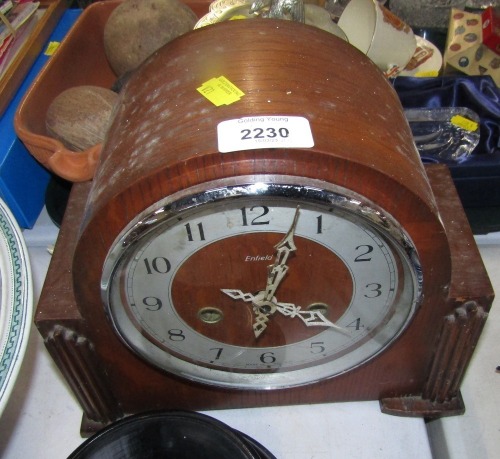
x=282 y=246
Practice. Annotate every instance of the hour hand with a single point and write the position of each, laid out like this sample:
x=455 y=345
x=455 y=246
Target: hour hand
x=238 y=295
x=261 y=307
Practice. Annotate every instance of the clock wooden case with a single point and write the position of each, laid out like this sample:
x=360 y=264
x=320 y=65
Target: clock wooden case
x=161 y=157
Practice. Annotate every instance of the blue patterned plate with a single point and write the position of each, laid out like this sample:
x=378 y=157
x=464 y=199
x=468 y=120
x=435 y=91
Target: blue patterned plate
x=16 y=308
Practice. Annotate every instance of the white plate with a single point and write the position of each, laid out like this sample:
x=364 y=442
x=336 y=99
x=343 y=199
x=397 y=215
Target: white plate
x=16 y=308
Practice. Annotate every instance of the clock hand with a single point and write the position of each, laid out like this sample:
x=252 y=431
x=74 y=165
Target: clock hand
x=238 y=295
x=264 y=308
x=310 y=318
x=260 y=323
x=263 y=304
x=276 y=272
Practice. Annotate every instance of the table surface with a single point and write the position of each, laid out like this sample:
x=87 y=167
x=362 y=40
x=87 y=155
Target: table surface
x=42 y=418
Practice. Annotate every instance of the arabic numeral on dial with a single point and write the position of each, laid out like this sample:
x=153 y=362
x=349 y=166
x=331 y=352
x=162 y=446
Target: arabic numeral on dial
x=374 y=290
x=257 y=219
x=356 y=324
x=268 y=358
x=175 y=334
x=201 y=232
x=365 y=250
x=218 y=353
x=319 y=220
x=152 y=303
x=159 y=265
x=318 y=347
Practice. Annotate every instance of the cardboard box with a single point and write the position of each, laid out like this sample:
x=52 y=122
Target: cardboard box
x=465 y=50
x=491 y=28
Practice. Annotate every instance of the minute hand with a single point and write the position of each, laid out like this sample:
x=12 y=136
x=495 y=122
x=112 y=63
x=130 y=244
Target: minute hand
x=310 y=318
x=276 y=272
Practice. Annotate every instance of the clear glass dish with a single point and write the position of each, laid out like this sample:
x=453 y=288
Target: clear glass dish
x=446 y=135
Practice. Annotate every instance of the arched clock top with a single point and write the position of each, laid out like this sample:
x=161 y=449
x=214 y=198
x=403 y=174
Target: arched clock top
x=162 y=121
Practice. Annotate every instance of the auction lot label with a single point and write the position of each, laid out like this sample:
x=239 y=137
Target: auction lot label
x=254 y=132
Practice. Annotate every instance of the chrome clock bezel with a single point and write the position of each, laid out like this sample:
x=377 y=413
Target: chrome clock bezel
x=149 y=222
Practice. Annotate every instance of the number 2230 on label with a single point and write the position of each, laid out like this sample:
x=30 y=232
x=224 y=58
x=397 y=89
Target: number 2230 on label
x=250 y=133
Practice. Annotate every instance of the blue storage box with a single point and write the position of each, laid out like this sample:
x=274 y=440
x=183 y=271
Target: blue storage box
x=477 y=178
x=23 y=180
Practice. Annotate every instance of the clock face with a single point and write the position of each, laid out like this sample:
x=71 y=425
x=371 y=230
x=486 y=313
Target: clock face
x=261 y=285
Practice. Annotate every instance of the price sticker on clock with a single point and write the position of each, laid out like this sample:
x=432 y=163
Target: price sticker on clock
x=256 y=132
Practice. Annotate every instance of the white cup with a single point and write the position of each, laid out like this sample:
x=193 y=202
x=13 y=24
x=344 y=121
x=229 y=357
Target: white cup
x=378 y=33
x=318 y=16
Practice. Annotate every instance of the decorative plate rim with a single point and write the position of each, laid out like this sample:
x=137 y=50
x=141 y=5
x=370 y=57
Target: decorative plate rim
x=433 y=64
x=16 y=309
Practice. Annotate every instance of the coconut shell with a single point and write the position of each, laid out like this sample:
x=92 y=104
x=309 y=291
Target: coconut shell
x=137 y=28
x=79 y=117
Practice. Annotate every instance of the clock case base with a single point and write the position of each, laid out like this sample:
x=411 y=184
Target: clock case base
x=70 y=344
